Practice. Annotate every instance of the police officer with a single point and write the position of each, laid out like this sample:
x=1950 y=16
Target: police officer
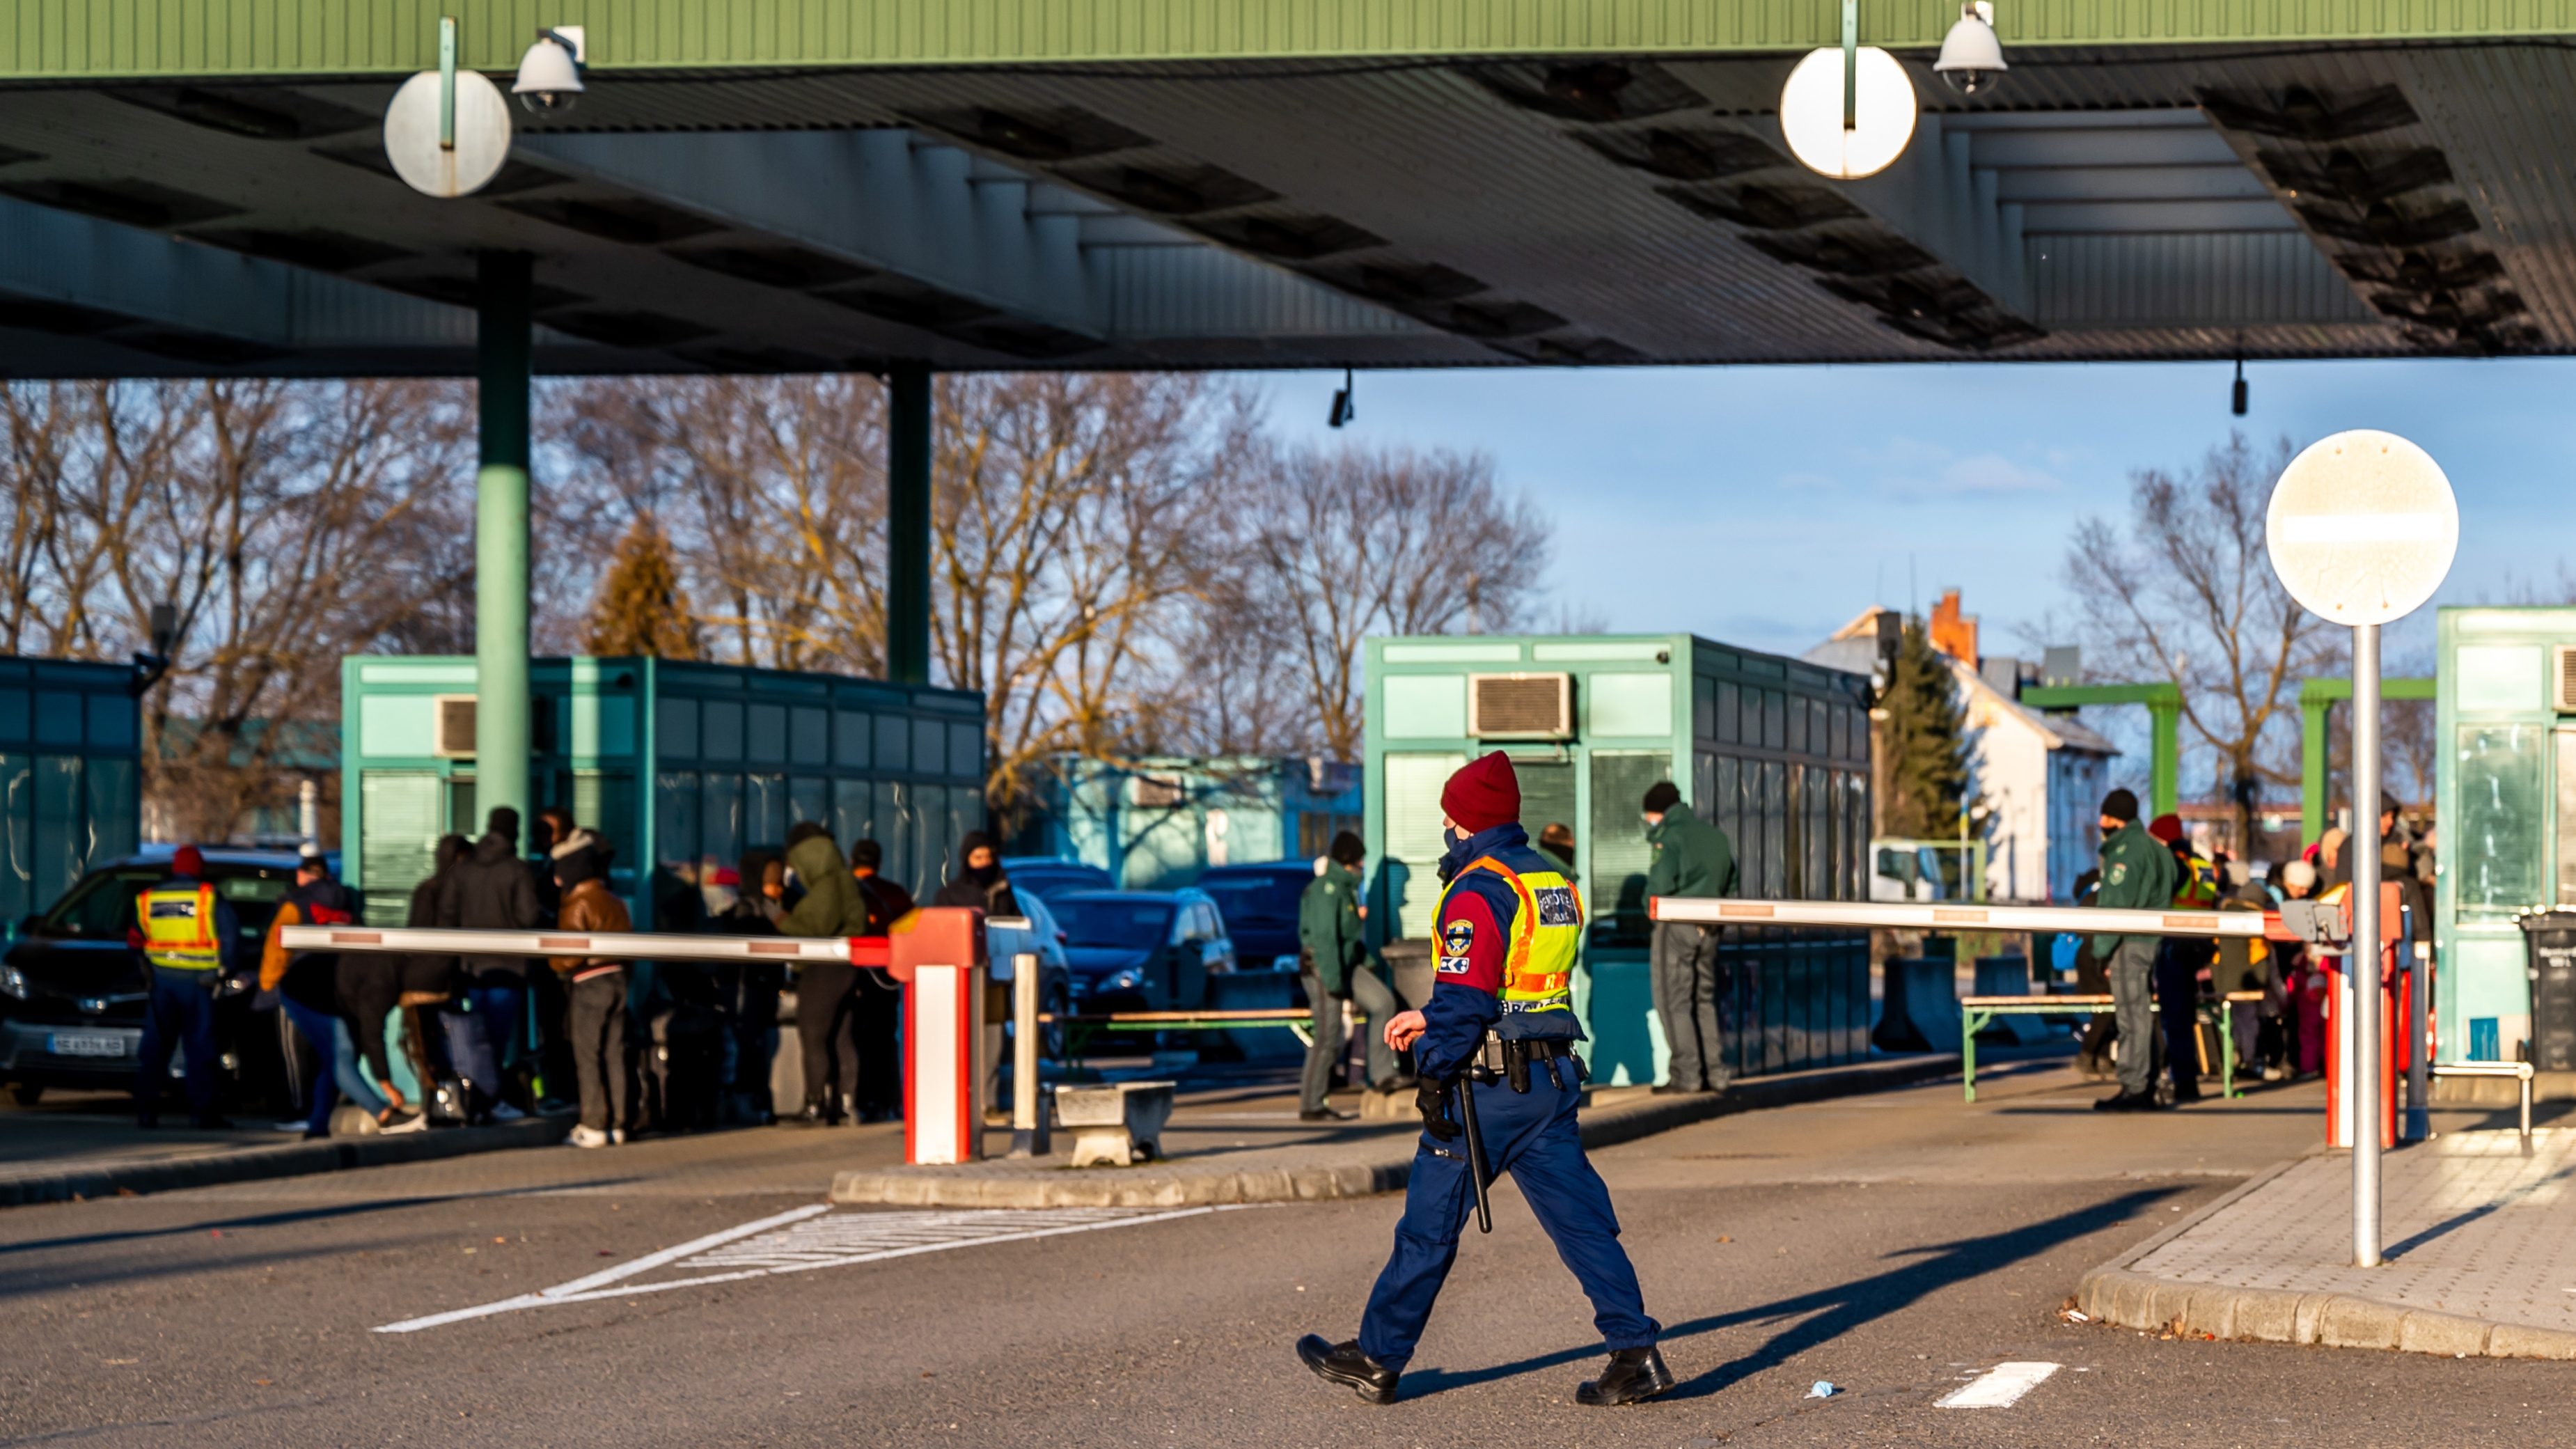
x=1335 y=960
x=187 y=935
x=1692 y=858
x=1502 y=1006
x=2137 y=874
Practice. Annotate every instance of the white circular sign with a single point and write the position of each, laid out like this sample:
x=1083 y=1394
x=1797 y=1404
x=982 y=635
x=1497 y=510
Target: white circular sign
x=1811 y=113
x=482 y=134
x=2362 y=527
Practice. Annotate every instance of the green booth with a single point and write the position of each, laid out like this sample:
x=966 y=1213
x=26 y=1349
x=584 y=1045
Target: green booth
x=1774 y=750
x=731 y=756
x=70 y=777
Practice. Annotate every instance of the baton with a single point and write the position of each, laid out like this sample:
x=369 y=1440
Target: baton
x=1475 y=1150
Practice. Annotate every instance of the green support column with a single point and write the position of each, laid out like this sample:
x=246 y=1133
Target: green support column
x=908 y=418
x=503 y=368
x=2313 y=708
x=2164 y=765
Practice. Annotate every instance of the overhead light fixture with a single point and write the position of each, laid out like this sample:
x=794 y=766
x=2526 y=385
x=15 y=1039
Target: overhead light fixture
x=550 y=73
x=2237 y=400
x=1972 y=60
x=1848 y=111
x=1343 y=408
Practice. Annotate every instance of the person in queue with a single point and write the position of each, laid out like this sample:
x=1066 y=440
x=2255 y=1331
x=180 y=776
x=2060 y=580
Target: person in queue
x=187 y=935
x=2137 y=874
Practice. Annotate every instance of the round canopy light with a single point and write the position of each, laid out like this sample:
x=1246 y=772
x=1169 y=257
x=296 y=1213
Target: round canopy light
x=2362 y=527
x=482 y=135
x=1972 y=60
x=1811 y=113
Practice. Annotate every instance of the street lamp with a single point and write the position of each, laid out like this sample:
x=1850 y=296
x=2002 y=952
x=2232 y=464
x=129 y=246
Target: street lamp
x=2362 y=528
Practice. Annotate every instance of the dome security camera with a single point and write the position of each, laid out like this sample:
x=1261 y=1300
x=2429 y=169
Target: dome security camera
x=549 y=80
x=1972 y=60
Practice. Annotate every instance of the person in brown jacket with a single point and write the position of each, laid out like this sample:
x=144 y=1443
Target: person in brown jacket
x=597 y=986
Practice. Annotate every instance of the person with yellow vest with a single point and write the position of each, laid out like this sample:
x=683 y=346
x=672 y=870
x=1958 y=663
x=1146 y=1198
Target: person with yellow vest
x=1506 y=936
x=188 y=937
x=2182 y=959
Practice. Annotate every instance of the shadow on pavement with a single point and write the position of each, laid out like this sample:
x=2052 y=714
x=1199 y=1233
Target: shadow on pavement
x=1841 y=1308
x=299 y=1215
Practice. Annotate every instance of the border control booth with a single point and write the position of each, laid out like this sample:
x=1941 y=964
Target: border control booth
x=1774 y=750
x=70 y=777
x=732 y=757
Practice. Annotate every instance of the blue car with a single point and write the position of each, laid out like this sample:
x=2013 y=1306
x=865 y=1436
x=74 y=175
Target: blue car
x=1142 y=950
x=1259 y=903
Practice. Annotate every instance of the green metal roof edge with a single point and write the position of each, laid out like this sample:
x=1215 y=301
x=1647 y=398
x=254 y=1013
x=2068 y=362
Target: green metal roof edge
x=141 y=40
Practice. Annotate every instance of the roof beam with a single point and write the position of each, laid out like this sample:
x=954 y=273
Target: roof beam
x=53 y=40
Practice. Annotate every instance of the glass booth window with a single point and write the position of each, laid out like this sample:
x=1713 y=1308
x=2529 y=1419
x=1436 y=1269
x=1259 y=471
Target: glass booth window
x=2566 y=818
x=2497 y=849
x=1728 y=732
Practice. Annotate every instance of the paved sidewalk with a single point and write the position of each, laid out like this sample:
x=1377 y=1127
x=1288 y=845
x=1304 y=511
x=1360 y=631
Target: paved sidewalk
x=1216 y=1157
x=54 y=1155
x=2481 y=1255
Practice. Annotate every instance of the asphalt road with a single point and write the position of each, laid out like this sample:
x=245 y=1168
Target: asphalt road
x=1896 y=1246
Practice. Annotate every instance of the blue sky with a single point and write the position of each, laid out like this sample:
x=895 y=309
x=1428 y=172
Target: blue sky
x=1766 y=506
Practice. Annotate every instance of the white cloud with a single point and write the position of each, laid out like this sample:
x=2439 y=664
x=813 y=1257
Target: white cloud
x=1994 y=473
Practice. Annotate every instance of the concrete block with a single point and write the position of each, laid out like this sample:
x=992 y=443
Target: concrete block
x=2308 y=1316
x=2350 y=1322
x=2424 y=1331
x=2514 y=1340
x=2212 y=1311
x=1115 y=1125
x=1377 y=1106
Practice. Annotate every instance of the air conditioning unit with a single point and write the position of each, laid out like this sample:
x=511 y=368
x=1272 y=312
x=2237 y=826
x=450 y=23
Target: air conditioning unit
x=452 y=726
x=2562 y=678
x=1520 y=706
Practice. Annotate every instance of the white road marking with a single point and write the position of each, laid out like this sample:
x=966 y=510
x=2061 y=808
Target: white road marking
x=805 y=1238
x=1999 y=1387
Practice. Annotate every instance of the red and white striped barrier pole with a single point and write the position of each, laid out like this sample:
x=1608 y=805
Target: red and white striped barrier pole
x=1910 y=916
x=939 y=953
x=611 y=945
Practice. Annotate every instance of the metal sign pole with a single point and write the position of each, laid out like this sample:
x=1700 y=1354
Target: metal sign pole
x=2369 y=1106
x=1028 y=1119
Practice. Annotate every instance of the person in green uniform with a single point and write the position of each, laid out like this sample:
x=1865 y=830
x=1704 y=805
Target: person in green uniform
x=2138 y=873
x=1692 y=858
x=1335 y=959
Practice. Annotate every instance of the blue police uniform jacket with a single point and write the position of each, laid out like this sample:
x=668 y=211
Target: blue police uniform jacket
x=1465 y=998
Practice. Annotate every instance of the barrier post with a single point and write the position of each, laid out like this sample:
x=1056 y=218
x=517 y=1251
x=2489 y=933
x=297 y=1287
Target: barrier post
x=1028 y=1119
x=938 y=953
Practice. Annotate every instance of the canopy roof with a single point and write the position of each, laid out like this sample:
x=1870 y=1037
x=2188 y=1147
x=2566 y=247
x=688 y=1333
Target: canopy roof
x=794 y=185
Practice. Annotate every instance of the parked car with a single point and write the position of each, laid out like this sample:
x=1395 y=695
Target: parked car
x=1042 y=937
x=1052 y=875
x=72 y=992
x=1259 y=903
x=1142 y=950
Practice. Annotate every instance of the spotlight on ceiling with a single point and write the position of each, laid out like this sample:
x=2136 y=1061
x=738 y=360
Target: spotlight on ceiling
x=1344 y=410
x=2237 y=399
x=1972 y=60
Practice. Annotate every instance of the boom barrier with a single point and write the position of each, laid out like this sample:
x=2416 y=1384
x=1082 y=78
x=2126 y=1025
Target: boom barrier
x=615 y=946
x=1911 y=916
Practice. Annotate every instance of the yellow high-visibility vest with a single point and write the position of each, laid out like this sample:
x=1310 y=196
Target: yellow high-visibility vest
x=178 y=924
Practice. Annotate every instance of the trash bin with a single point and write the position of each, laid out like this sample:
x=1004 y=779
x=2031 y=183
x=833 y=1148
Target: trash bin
x=2549 y=945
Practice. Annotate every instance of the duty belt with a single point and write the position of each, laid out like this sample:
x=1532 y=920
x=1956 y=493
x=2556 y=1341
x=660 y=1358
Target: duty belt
x=1508 y=1058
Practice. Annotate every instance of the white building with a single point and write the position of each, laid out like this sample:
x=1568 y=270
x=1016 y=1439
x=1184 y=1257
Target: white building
x=2040 y=776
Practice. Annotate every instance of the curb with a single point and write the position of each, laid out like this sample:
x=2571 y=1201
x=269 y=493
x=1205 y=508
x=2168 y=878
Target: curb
x=2114 y=1293
x=1379 y=1168
x=298 y=1159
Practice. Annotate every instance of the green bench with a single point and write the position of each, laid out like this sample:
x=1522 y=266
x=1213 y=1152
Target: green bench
x=1976 y=1013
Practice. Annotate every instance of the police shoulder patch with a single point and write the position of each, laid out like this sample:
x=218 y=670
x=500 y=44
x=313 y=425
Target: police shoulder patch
x=1455 y=938
x=1453 y=965
x=2119 y=871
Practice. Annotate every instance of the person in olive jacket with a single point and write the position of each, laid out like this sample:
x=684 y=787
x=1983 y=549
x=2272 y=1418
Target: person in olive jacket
x=2138 y=873
x=1692 y=858
x=827 y=1026
x=1335 y=959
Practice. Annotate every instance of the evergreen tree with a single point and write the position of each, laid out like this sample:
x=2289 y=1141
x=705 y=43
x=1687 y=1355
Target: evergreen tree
x=640 y=608
x=1926 y=741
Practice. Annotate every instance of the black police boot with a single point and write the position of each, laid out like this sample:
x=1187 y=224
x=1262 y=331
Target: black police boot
x=1343 y=1363
x=1634 y=1376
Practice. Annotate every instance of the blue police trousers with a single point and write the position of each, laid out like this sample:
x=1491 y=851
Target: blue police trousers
x=180 y=1016
x=1532 y=1136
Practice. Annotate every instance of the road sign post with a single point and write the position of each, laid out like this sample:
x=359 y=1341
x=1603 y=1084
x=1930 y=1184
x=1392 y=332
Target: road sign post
x=2362 y=528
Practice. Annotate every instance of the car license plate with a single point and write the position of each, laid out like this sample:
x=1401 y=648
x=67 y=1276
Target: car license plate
x=87 y=1044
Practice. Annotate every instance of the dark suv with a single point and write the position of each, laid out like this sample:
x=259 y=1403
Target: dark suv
x=72 y=992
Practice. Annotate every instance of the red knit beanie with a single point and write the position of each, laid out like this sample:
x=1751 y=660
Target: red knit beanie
x=187 y=861
x=1484 y=794
x=2166 y=828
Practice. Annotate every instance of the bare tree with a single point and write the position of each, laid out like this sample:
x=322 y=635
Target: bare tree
x=2186 y=593
x=288 y=523
x=1354 y=541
